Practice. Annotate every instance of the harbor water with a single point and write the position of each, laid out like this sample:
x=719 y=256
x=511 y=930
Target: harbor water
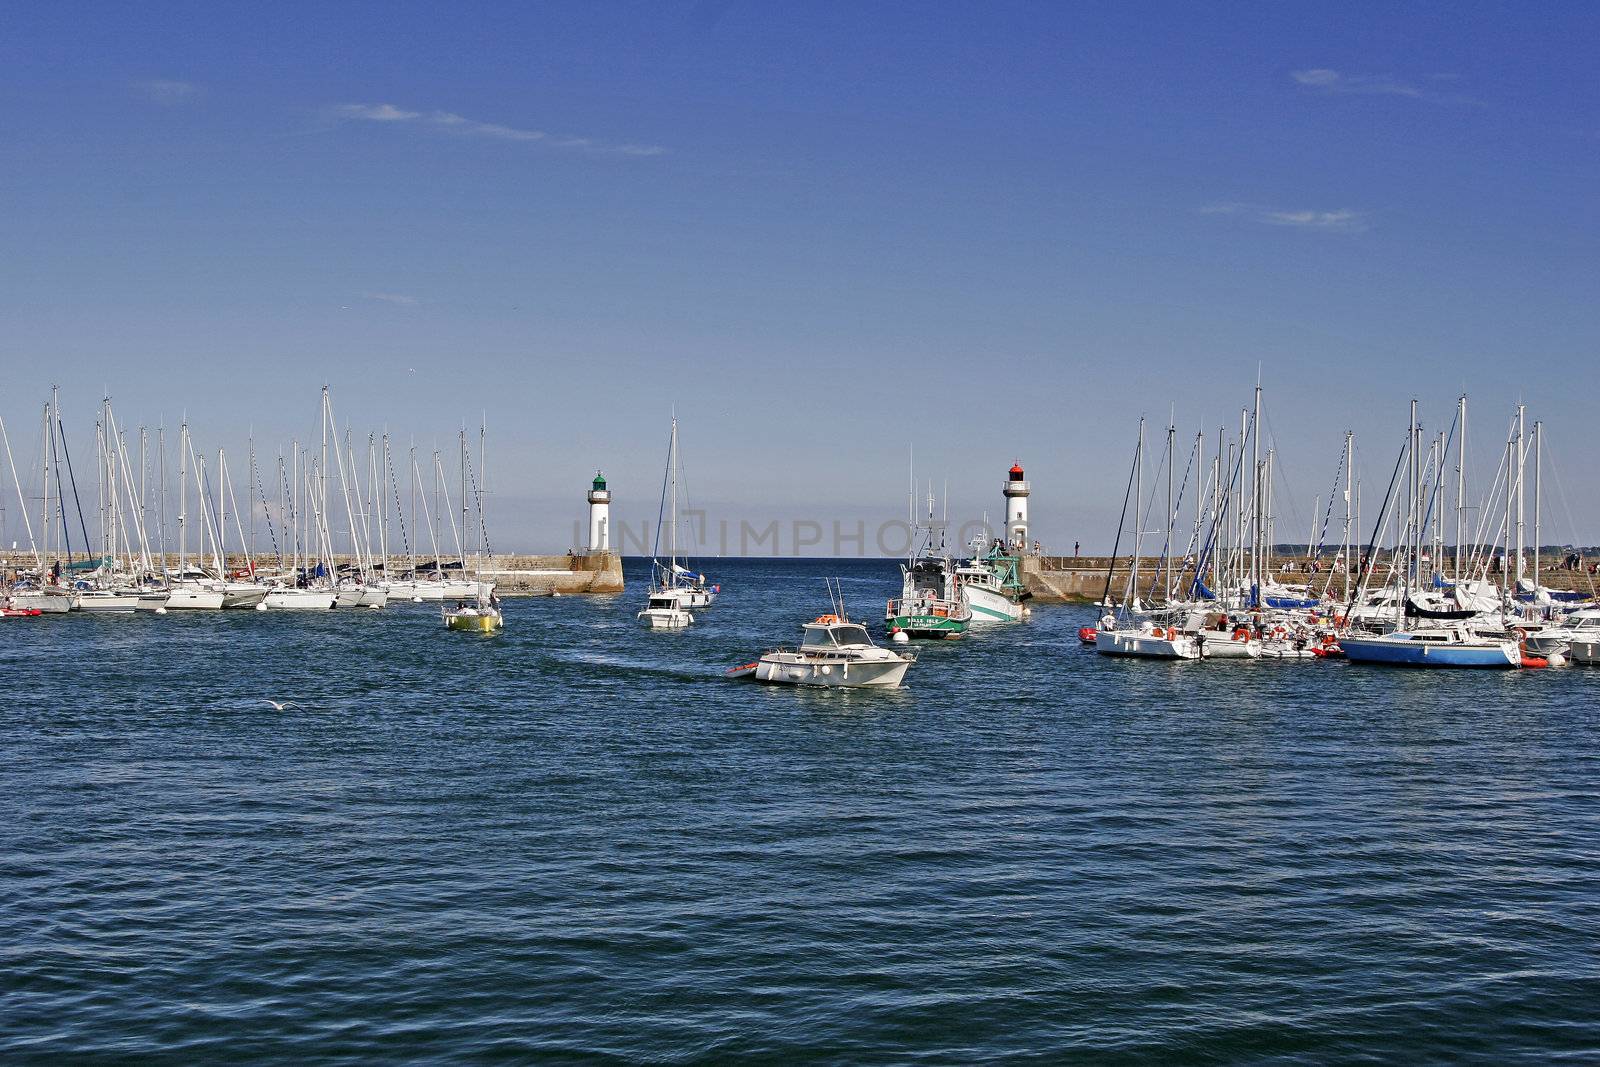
x=576 y=840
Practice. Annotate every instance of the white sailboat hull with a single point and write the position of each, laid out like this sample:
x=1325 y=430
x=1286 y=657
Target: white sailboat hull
x=665 y=618
x=107 y=601
x=48 y=603
x=242 y=595
x=193 y=598
x=1226 y=646
x=1141 y=643
x=300 y=599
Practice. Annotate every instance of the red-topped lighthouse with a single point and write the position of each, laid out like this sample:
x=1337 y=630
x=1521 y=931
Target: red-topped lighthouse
x=1016 y=492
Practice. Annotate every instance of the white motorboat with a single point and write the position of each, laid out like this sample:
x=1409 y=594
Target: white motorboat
x=663 y=612
x=835 y=653
x=1579 y=626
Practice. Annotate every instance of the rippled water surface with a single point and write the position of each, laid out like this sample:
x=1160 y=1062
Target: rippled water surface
x=575 y=840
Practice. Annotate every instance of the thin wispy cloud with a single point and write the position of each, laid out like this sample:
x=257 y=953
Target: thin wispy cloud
x=391 y=298
x=167 y=91
x=448 y=122
x=1323 y=80
x=1342 y=220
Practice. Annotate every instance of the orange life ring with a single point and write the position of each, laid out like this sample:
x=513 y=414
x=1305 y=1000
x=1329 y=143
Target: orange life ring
x=1241 y=634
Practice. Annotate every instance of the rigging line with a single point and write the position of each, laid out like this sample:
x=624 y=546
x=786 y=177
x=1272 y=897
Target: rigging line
x=1572 y=524
x=1278 y=473
x=1327 y=515
x=400 y=514
x=661 y=512
x=261 y=490
x=1366 y=571
x=477 y=493
x=1177 y=505
x=1121 y=522
x=76 y=503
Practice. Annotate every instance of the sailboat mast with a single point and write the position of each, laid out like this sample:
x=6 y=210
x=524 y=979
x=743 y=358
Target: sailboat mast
x=1522 y=465
x=1349 y=461
x=1461 y=479
x=22 y=503
x=1538 y=477
x=1256 y=505
x=183 y=495
x=672 y=519
x=1138 y=505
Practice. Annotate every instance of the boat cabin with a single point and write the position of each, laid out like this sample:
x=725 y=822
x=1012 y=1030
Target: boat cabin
x=828 y=632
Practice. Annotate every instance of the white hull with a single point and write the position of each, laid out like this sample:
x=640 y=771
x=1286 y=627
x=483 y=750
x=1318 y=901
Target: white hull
x=47 y=603
x=362 y=596
x=241 y=595
x=107 y=601
x=433 y=591
x=300 y=599
x=665 y=618
x=1141 y=643
x=783 y=668
x=153 y=600
x=193 y=598
x=989 y=606
x=1225 y=646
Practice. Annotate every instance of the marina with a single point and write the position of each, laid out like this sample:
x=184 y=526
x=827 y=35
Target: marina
x=849 y=534
x=583 y=800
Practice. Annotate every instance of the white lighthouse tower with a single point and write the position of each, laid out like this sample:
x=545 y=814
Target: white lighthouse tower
x=599 y=515
x=1016 y=491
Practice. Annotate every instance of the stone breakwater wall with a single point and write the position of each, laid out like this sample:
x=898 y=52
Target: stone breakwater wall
x=513 y=575
x=1082 y=579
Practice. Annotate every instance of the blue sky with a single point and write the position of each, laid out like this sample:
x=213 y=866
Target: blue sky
x=821 y=231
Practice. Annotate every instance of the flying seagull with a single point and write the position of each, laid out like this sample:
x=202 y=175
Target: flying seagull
x=280 y=705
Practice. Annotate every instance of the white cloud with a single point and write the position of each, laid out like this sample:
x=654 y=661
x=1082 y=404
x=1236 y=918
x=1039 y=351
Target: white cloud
x=374 y=112
x=1323 y=80
x=166 y=91
x=1343 y=220
x=1331 y=81
x=449 y=122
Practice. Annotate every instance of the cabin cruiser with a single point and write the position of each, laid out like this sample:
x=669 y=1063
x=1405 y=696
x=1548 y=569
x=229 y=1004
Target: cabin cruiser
x=834 y=653
x=1582 y=625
